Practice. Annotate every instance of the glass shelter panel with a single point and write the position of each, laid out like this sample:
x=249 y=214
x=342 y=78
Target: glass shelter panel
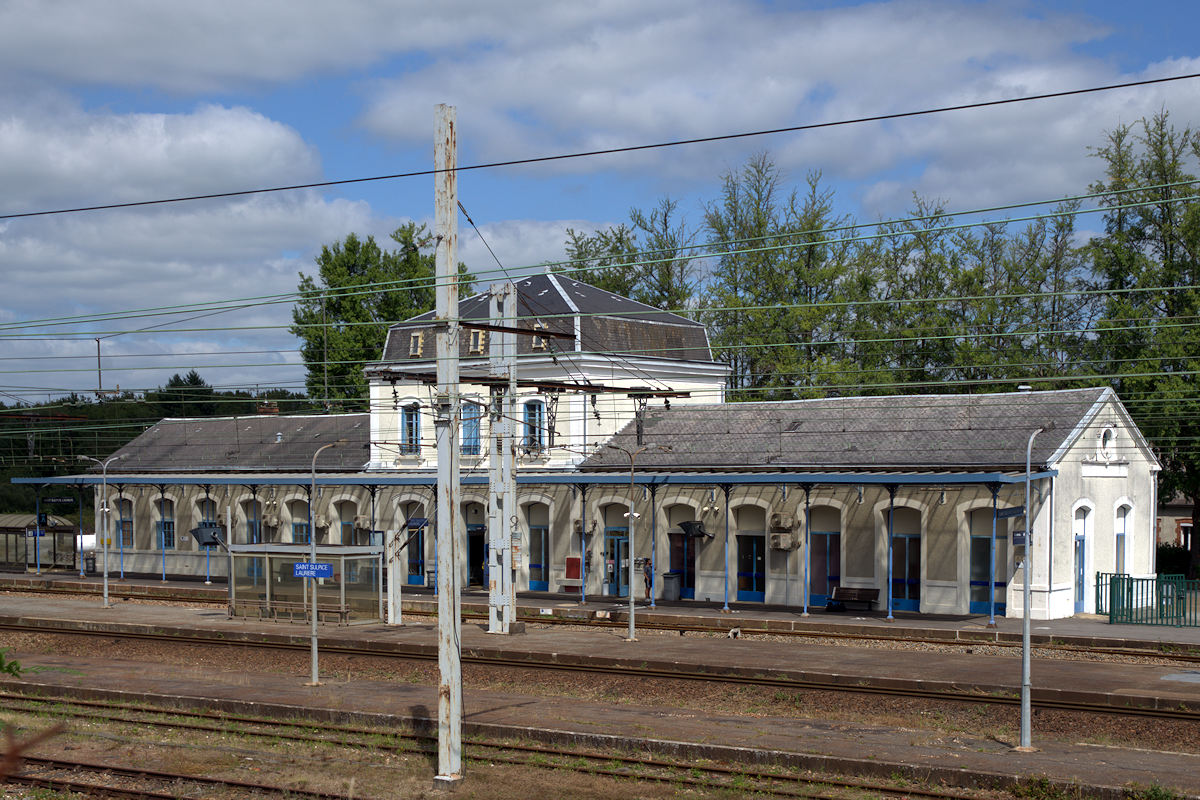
x=265 y=584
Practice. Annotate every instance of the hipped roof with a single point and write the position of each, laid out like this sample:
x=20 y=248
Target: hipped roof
x=235 y=444
x=985 y=431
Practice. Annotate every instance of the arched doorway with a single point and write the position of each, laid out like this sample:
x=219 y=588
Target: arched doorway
x=616 y=550
x=906 y=558
x=477 y=551
x=683 y=545
x=825 y=553
x=538 y=518
x=983 y=591
x=751 y=553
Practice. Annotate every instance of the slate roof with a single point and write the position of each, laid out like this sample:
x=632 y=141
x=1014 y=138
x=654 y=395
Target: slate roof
x=258 y=443
x=609 y=323
x=916 y=432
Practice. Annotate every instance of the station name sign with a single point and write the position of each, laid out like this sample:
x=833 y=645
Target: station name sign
x=303 y=569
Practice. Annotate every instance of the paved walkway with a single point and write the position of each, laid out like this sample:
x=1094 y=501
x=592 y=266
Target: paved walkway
x=1082 y=629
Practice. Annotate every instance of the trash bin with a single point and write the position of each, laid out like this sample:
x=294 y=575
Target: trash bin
x=670 y=584
x=89 y=563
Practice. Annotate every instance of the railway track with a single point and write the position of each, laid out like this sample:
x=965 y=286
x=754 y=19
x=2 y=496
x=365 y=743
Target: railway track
x=644 y=767
x=721 y=628
x=115 y=780
x=645 y=671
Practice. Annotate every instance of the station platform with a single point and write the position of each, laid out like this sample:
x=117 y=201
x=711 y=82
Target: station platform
x=859 y=748
x=1081 y=630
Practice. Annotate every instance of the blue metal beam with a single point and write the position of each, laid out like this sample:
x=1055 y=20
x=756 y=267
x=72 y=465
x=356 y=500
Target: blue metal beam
x=553 y=478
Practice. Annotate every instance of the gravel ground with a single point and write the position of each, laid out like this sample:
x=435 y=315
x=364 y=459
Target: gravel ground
x=935 y=717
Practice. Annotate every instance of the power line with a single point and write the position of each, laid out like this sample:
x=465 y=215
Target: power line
x=705 y=248
x=613 y=150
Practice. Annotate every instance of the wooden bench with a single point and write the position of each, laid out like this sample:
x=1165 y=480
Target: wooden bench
x=855 y=594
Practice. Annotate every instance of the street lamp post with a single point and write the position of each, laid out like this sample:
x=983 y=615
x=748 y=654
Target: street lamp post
x=312 y=540
x=1026 y=682
x=104 y=514
x=633 y=454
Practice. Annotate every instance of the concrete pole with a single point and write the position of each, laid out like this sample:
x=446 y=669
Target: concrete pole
x=395 y=572
x=502 y=501
x=450 y=530
x=508 y=456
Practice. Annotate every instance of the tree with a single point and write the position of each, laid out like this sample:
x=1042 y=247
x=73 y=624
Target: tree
x=667 y=276
x=781 y=264
x=607 y=259
x=185 y=396
x=1149 y=259
x=343 y=314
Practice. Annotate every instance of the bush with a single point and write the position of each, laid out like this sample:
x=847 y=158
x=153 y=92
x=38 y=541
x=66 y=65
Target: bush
x=9 y=666
x=1173 y=559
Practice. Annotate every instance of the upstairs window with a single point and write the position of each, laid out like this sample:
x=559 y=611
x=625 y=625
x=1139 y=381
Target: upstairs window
x=410 y=430
x=477 y=342
x=533 y=441
x=472 y=413
x=415 y=340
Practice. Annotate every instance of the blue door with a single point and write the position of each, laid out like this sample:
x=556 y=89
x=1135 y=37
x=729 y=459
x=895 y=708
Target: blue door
x=981 y=574
x=683 y=563
x=477 y=556
x=1080 y=575
x=906 y=572
x=616 y=561
x=751 y=567
x=539 y=555
x=824 y=566
x=416 y=556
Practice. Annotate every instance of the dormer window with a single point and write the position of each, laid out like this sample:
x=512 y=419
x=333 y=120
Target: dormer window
x=540 y=342
x=477 y=342
x=415 y=340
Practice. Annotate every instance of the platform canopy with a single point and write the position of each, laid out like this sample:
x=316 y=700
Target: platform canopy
x=570 y=478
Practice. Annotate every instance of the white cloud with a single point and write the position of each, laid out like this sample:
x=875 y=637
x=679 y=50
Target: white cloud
x=220 y=45
x=182 y=255
x=55 y=153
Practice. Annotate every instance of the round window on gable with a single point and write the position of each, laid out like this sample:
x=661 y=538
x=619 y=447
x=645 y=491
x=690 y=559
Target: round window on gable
x=1108 y=442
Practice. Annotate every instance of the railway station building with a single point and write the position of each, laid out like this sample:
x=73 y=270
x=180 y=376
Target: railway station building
x=912 y=500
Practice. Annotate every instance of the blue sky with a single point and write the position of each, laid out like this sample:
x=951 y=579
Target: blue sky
x=139 y=99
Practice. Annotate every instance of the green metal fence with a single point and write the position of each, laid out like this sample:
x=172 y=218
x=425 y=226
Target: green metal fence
x=1162 y=600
